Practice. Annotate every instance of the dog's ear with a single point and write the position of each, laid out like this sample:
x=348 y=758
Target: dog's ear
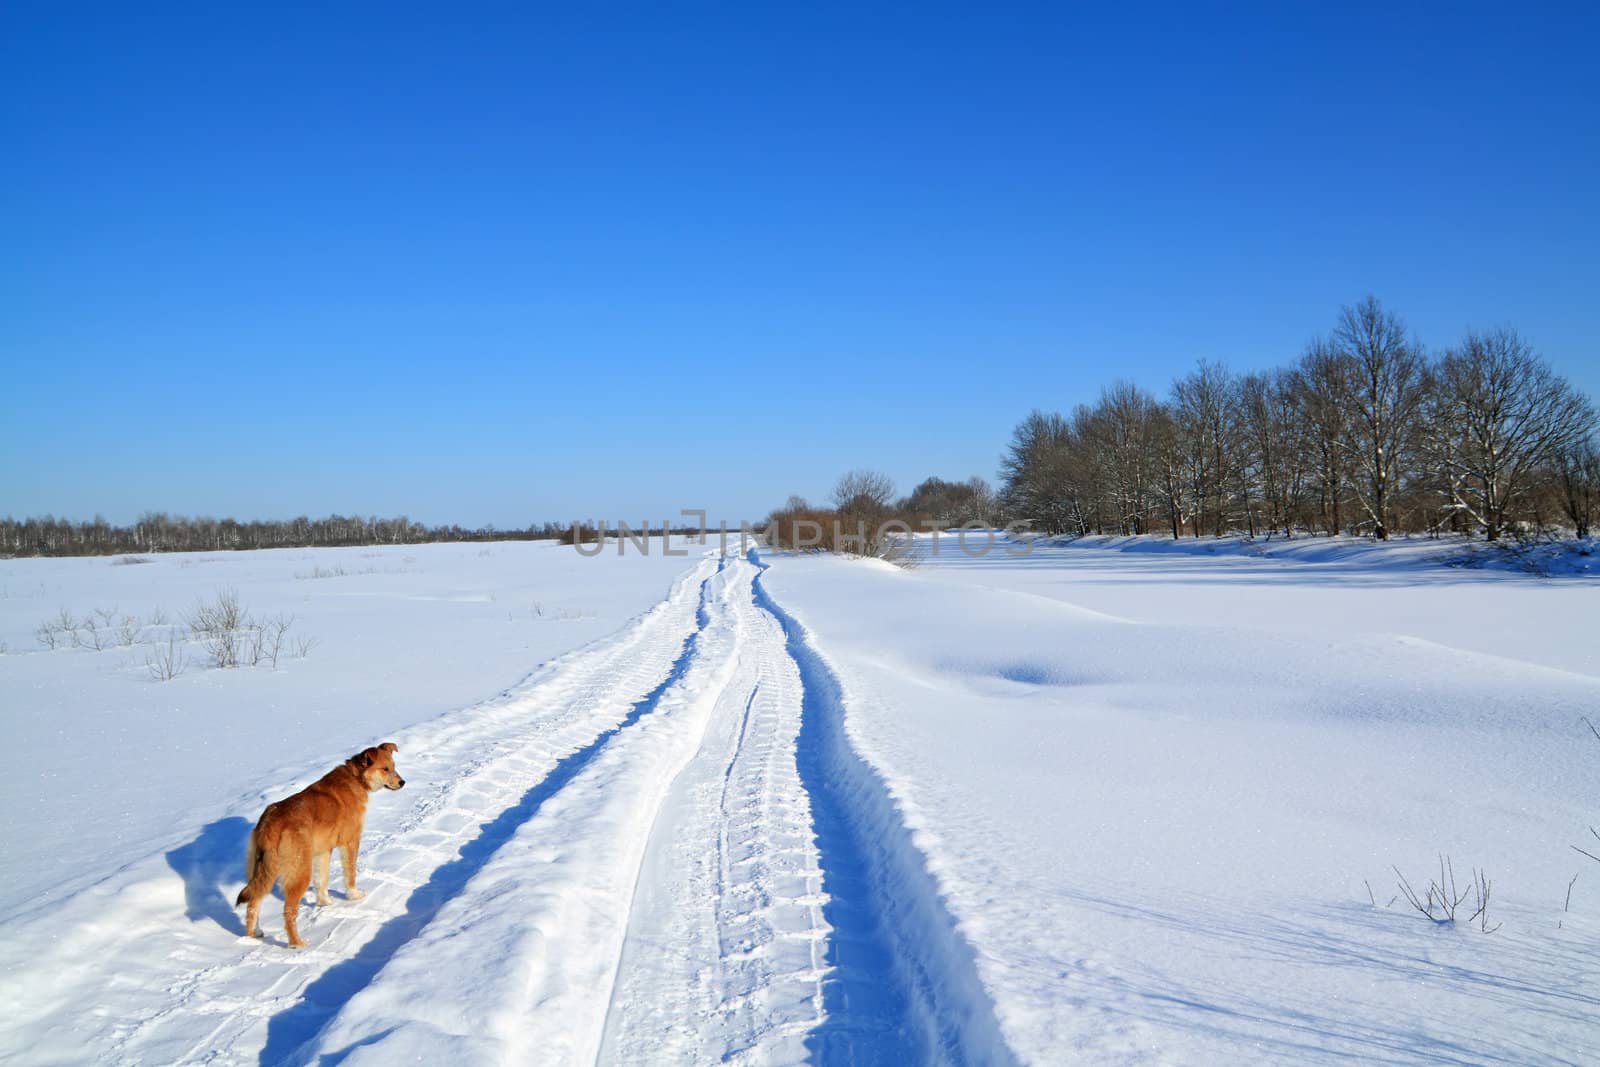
x=389 y=746
x=362 y=759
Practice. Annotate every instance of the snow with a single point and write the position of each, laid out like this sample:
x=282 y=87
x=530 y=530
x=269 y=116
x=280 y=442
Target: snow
x=1107 y=802
x=1153 y=836
x=404 y=633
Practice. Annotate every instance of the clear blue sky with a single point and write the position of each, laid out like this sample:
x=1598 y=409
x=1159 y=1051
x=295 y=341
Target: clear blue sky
x=510 y=263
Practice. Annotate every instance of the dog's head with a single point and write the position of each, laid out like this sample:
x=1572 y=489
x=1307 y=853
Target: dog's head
x=376 y=767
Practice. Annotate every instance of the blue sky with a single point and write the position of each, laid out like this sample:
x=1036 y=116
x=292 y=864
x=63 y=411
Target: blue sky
x=510 y=263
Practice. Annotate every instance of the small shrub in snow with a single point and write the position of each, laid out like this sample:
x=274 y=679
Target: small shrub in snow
x=1442 y=900
x=129 y=561
x=90 y=635
x=166 y=662
x=222 y=648
x=220 y=615
x=265 y=640
x=232 y=637
x=128 y=631
x=48 y=635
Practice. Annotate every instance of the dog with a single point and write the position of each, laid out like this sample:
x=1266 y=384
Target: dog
x=296 y=836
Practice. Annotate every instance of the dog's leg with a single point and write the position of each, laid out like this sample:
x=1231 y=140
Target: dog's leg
x=252 y=918
x=295 y=883
x=321 y=867
x=349 y=849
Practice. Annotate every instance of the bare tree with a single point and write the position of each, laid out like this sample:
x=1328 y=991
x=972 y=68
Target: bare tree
x=1171 y=470
x=1271 y=450
x=1317 y=390
x=1036 y=483
x=1125 y=425
x=1203 y=411
x=863 y=487
x=948 y=503
x=1502 y=416
x=1383 y=395
x=862 y=499
x=1577 y=483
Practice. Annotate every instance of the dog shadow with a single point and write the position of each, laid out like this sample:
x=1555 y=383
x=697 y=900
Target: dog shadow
x=204 y=863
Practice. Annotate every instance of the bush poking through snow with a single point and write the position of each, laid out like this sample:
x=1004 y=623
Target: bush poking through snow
x=220 y=615
x=89 y=635
x=233 y=638
x=1441 y=901
x=49 y=636
x=99 y=630
x=166 y=662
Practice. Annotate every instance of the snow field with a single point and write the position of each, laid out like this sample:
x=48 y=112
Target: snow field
x=1092 y=805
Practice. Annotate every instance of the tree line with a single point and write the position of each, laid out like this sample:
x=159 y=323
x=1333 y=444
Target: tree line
x=160 y=532
x=864 y=517
x=1365 y=433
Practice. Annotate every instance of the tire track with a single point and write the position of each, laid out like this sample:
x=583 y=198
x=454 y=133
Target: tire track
x=903 y=985
x=523 y=957
x=782 y=913
x=723 y=958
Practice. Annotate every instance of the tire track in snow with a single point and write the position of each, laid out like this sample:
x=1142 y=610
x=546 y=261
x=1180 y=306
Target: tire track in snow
x=292 y=1028
x=480 y=763
x=723 y=960
x=519 y=964
x=782 y=913
x=903 y=985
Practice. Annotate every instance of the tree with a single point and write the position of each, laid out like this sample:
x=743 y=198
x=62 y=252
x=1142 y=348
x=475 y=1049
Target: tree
x=1034 y=471
x=1500 y=419
x=862 y=500
x=1124 y=425
x=1269 y=454
x=1577 y=482
x=1203 y=412
x=1317 y=388
x=951 y=503
x=1383 y=391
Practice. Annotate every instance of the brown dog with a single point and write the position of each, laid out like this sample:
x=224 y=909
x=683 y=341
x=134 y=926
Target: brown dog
x=298 y=835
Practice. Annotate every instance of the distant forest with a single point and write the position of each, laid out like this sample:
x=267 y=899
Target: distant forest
x=160 y=532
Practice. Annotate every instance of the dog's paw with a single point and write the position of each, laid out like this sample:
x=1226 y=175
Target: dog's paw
x=355 y=894
x=323 y=902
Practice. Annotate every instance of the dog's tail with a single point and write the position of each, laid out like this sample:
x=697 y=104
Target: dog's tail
x=258 y=873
